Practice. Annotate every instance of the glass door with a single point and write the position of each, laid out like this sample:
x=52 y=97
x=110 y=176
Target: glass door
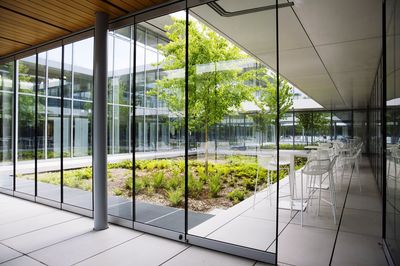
x=159 y=168
x=232 y=180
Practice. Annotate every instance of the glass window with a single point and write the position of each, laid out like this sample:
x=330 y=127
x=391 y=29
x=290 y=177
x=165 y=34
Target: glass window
x=6 y=123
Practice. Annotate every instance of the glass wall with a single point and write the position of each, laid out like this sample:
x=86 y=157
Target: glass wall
x=78 y=123
x=392 y=204
x=26 y=126
x=120 y=78
x=159 y=173
x=49 y=125
x=6 y=122
x=232 y=113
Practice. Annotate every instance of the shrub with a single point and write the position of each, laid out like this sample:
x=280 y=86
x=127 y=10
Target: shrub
x=129 y=183
x=146 y=181
x=175 y=196
x=175 y=181
x=248 y=183
x=138 y=185
x=215 y=185
x=126 y=164
x=195 y=186
x=236 y=195
x=158 y=180
x=118 y=191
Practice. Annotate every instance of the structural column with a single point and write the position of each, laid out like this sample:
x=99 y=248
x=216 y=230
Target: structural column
x=100 y=122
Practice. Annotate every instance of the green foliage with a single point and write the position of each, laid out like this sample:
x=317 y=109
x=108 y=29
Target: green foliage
x=238 y=172
x=127 y=164
x=313 y=122
x=285 y=147
x=118 y=191
x=237 y=195
x=195 y=186
x=158 y=180
x=129 y=183
x=139 y=186
x=240 y=159
x=175 y=196
x=175 y=181
x=147 y=182
x=214 y=185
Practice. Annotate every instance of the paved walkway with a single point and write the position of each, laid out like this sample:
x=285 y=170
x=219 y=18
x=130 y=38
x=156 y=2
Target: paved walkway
x=33 y=234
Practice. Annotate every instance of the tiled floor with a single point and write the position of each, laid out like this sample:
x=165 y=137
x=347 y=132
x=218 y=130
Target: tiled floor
x=33 y=234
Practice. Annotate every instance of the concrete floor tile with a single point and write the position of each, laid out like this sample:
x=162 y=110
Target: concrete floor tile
x=84 y=246
x=195 y=256
x=34 y=223
x=143 y=250
x=362 y=222
x=23 y=261
x=7 y=253
x=324 y=220
x=249 y=232
x=305 y=245
x=35 y=240
x=354 y=249
x=364 y=202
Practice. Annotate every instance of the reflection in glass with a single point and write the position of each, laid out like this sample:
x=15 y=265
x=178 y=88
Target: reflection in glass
x=6 y=122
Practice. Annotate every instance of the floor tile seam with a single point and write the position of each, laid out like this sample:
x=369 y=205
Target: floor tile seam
x=109 y=248
x=30 y=217
x=22 y=255
x=14 y=258
x=236 y=216
x=119 y=203
x=177 y=254
x=163 y=216
x=313 y=227
x=360 y=234
x=286 y=263
x=278 y=235
x=341 y=217
x=45 y=227
x=265 y=219
x=55 y=243
x=76 y=236
x=364 y=210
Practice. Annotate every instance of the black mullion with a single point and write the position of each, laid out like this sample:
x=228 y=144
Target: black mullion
x=277 y=131
x=383 y=120
x=331 y=126
x=62 y=128
x=186 y=119
x=36 y=118
x=133 y=125
x=15 y=137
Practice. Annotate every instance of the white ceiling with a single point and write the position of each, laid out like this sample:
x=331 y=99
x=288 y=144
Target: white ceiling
x=329 y=49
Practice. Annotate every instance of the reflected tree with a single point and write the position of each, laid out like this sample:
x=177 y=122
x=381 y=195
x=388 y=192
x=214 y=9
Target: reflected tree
x=313 y=122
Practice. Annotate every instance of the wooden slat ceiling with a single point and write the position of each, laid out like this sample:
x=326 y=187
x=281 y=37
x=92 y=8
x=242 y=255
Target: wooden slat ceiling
x=25 y=23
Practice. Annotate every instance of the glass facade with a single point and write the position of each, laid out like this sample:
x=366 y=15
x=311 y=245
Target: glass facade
x=187 y=124
x=392 y=158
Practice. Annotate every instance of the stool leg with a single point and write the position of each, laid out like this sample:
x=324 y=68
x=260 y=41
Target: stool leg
x=319 y=197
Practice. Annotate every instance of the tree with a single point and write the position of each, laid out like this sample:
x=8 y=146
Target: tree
x=216 y=82
x=267 y=99
x=312 y=122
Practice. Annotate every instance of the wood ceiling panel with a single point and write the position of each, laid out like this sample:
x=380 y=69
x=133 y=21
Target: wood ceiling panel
x=99 y=5
x=25 y=23
x=127 y=5
x=31 y=9
x=17 y=20
x=9 y=46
